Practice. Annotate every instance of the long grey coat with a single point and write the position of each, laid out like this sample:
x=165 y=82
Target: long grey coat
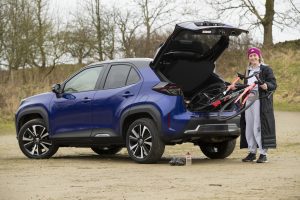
x=266 y=111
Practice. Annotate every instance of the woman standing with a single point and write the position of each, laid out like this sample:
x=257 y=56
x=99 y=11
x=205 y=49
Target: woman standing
x=258 y=122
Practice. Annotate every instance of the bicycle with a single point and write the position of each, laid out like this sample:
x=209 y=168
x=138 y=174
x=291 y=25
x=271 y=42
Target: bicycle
x=217 y=94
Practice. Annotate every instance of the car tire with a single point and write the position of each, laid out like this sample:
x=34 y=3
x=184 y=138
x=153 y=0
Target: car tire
x=143 y=142
x=34 y=140
x=218 y=150
x=106 y=150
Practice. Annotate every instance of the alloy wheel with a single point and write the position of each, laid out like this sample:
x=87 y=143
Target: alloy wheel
x=36 y=140
x=140 y=141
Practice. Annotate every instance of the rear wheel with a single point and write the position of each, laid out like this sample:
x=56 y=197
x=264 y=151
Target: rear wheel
x=34 y=140
x=143 y=142
x=224 y=115
x=218 y=150
x=106 y=150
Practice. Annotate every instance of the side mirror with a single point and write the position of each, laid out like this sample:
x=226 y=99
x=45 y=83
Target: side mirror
x=56 y=88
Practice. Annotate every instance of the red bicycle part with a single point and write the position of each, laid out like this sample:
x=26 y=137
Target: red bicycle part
x=247 y=89
x=216 y=103
x=232 y=84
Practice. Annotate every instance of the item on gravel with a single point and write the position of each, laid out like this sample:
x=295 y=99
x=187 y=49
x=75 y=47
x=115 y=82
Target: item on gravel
x=177 y=161
x=188 y=159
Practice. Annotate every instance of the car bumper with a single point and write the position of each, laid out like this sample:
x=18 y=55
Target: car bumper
x=207 y=130
x=198 y=127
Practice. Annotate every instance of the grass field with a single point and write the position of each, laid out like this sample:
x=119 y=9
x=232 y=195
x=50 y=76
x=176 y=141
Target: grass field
x=285 y=63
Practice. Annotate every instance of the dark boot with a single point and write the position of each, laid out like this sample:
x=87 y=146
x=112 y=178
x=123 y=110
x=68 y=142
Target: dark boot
x=262 y=159
x=250 y=158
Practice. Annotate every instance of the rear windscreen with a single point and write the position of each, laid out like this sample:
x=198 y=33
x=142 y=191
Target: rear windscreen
x=194 y=41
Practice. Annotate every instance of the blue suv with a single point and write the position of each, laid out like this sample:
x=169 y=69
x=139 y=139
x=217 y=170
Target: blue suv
x=141 y=104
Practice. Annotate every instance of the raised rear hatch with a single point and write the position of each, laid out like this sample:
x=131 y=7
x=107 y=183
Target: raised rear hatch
x=187 y=57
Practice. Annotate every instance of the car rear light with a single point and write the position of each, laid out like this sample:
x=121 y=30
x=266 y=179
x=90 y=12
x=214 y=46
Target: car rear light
x=168 y=89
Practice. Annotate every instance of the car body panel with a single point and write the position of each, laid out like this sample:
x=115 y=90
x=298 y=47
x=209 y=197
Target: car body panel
x=38 y=104
x=70 y=118
x=72 y=115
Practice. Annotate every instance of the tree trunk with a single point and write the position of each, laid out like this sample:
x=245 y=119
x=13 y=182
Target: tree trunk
x=41 y=30
x=99 y=30
x=148 y=37
x=268 y=23
x=80 y=58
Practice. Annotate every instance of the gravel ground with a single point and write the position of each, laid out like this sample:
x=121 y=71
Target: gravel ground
x=78 y=173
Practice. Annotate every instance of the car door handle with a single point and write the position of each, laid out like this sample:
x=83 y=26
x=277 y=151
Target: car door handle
x=86 y=100
x=127 y=94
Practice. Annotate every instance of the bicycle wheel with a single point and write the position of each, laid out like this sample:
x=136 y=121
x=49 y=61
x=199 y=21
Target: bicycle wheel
x=204 y=98
x=224 y=114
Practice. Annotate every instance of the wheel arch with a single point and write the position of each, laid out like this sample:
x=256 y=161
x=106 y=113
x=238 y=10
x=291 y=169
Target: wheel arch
x=137 y=112
x=31 y=113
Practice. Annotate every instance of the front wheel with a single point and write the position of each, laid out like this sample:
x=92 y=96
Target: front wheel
x=34 y=140
x=218 y=150
x=143 y=142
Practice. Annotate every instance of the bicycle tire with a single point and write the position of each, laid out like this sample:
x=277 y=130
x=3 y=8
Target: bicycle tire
x=242 y=108
x=199 y=101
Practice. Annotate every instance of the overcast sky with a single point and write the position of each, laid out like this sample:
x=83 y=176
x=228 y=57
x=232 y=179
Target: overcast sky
x=64 y=8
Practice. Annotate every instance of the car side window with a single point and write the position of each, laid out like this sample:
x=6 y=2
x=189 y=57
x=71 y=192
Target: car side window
x=133 y=77
x=84 y=81
x=117 y=76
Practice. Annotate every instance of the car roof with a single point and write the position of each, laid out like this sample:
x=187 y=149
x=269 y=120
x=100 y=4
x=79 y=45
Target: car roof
x=138 y=62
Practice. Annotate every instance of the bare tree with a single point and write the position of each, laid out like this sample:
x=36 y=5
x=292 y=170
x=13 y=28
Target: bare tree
x=109 y=34
x=42 y=28
x=77 y=38
x=55 y=46
x=95 y=14
x=3 y=23
x=155 y=14
x=103 y=29
x=128 y=23
x=17 y=34
x=254 y=14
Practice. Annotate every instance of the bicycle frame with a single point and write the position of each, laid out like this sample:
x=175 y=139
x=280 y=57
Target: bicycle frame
x=232 y=85
x=241 y=94
x=240 y=97
x=223 y=97
x=229 y=88
x=247 y=89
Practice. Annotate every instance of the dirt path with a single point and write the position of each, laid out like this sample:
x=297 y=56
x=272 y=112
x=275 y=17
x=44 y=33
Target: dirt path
x=75 y=173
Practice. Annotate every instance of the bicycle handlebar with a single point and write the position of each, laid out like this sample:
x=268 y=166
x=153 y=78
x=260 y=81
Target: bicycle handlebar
x=259 y=81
